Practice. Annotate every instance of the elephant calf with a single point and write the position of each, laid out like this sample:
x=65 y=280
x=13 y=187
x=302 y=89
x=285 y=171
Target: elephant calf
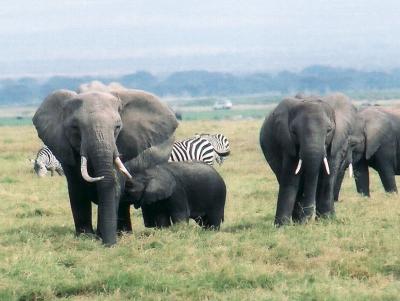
x=177 y=191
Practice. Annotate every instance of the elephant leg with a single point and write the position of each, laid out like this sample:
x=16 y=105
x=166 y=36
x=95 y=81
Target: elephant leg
x=178 y=208
x=212 y=221
x=298 y=208
x=81 y=205
x=324 y=203
x=361 y=177
x=179 y=217
x=149 y=218
x=386 y=173
x=163 y=220
x=288 y=187
x=200 y=220
x=124 y=218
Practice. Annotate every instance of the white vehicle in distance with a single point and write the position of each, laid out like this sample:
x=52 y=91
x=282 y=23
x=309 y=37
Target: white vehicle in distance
x=224 y=104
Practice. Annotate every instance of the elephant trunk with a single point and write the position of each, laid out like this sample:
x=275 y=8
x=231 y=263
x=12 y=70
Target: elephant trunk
x=103 y=158
x=312 y=159
x=108 y=191
x=312 y=165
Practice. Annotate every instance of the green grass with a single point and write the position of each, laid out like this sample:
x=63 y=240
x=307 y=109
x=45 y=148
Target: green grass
x=352 y=257
x=11 y=121
x=226 y=114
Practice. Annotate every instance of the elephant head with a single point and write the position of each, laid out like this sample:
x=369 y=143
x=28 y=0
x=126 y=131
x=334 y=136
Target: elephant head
x=155 y=185
x=306 y=129
x=95 y=131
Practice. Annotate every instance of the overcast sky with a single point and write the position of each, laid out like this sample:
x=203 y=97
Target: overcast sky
x=103 y=36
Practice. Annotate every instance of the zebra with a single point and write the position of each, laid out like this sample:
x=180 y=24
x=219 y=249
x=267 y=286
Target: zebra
x=220 y=144
x=45 y=160
x=193 y=149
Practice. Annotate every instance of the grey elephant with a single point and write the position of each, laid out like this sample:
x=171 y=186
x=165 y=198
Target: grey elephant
x=93 y=133
x=305 y=141
x=375 y=143
x=176 y=191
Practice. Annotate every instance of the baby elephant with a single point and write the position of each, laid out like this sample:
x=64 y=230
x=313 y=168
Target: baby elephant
x=177 y=191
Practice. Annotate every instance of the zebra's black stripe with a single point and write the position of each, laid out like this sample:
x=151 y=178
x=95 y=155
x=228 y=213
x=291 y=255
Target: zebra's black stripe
x=219 y=142
x=193 y=149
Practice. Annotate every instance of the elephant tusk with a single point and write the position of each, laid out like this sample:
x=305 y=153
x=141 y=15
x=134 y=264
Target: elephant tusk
x=122 y=167
x=85 y=174
x=350 y=170
x=298 y=167
x=326 y=166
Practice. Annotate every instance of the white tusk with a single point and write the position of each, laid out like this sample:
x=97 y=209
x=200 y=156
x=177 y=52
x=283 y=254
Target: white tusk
x=298 y=167
x=326 y=166
x=350 y=170
x=122 y=167
x=85 y=174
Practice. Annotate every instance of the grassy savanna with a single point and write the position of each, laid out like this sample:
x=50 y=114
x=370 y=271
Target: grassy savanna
x=353 y=257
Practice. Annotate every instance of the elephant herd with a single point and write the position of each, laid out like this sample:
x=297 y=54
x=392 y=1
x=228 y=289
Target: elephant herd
x=114 y=145
x=310 y=141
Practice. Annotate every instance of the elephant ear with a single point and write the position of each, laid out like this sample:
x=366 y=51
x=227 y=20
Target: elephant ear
x=48 y=122
x=280 y=125
x=148 y=128
x=343 y=116
x=160 y=186
x=378 y=131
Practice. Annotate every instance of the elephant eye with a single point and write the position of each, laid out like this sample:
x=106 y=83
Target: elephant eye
x=117 y=129
x=75 y=129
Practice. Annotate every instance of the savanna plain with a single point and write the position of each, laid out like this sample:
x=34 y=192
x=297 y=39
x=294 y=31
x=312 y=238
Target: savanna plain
x=355 y=256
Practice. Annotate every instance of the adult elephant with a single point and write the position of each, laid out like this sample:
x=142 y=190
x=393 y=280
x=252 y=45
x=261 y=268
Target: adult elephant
x=90 y=133
x=305 y=141
x=375 y=143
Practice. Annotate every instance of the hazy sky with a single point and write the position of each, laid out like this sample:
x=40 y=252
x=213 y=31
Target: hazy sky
x=103 y=36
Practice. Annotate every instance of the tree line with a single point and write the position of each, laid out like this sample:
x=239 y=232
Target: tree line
x=317 y=79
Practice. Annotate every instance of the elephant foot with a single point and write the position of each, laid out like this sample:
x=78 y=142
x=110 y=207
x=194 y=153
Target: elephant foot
x=84 y=230
x=302 y=219
x=364 y=194
x=121 y=232
x=326 y=215
x=281 y=221
x=302 y=215
x=88 y=235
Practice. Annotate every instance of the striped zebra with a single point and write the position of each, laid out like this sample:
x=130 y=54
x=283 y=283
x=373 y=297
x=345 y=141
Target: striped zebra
x=220 y=144
x=45 y=160
x=193 y=149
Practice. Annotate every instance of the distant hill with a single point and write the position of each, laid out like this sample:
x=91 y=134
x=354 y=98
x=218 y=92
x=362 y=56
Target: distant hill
x=314 y=79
